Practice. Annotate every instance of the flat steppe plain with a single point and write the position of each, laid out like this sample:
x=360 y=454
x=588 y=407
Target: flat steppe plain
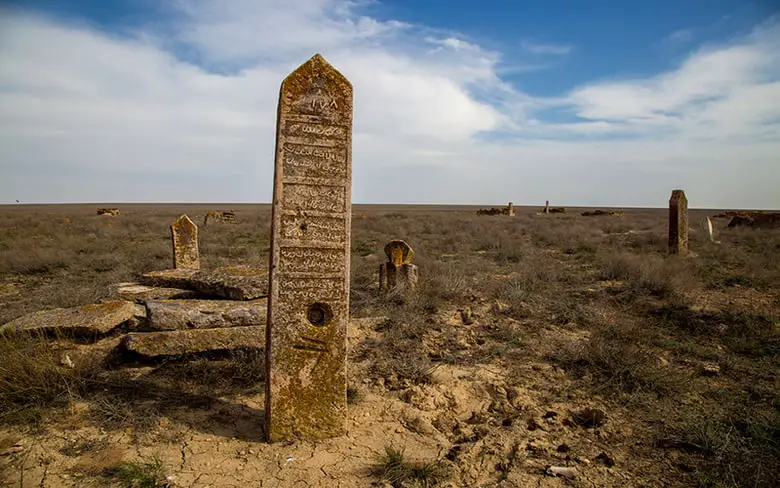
x=584 y=345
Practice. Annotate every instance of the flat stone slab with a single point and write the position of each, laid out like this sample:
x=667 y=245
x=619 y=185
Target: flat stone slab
x=205 y=314
x=87 y=320
x=136 y=292
x=178 y=342
x=234 y=283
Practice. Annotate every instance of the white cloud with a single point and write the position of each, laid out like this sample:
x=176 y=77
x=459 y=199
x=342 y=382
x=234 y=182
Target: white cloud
x=541 y=48
x=85 y=116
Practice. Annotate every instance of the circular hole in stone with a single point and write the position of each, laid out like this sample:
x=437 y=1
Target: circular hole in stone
x=319 y=314
x=303 y=227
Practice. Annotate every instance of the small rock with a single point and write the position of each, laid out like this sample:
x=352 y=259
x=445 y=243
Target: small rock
x=605 y=459
x=710 y=369
x=499 y=307
x=568 y=473
x=550 y=414
x=466 y=315
x=563 y=448
x=533 y=424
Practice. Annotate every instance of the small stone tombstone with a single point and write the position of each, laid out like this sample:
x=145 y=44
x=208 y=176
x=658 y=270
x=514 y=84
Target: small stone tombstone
x=398 y=274
x=547 y=206
x=678 y=222
x=184 y=235
x=308 y=303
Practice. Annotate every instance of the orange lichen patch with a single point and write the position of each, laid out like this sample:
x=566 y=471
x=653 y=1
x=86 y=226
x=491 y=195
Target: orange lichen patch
x=399 y=252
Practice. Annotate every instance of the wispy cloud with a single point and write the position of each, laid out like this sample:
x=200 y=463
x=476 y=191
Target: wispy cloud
x=87 y=116
x=680 y=36
x=541 y=48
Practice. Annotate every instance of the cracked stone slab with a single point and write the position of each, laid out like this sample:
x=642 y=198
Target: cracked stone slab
x=136 y=292
x=234 y=282
x=205 y=314
x=178 y=342
x=87 y=320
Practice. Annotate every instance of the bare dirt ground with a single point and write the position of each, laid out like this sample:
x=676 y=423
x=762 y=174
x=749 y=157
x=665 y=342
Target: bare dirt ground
x=533 y=342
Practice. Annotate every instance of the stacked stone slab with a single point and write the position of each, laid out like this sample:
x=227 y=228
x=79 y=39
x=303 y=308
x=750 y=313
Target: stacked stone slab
x=398 y=274
x=168 y=313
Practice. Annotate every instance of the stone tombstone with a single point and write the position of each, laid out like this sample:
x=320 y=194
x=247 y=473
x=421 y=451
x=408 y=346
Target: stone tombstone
x=678 y=222
x=510 y=209
x=398 y=274
x=547 y=206
x=308 y=303
x=184 y=235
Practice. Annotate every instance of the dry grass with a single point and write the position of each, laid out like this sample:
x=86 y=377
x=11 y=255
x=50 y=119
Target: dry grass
x=394 y=468
x=648 y=319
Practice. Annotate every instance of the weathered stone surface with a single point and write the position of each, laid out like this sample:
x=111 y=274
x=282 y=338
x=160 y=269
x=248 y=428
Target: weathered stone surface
x=136 y=292
x=234 y=283
x=398 y=252
x=184 y=237
x=204 y=314
x=178 y=342
x=398 y=274
x=678 y=222
x=308 y=304
x=87 y=320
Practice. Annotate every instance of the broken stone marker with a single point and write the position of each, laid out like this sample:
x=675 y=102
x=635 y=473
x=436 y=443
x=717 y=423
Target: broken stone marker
x=234 y=282
x=398 y=273
x=547 y=206
x=308 y=303
x=204 y=314
x=510 y=209
x=678 y=222
x=85 y=321
x=178 y=342
x=184 y=235
x=136 y=292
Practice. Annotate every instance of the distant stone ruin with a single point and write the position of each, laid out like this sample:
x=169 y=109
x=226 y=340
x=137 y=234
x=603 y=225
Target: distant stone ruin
x=767 y=220
x=598 y=213
x=108 y=211
x=678 y=222
x=308 y=305
x=508 y=210
x=398 y=274
x=220 y=216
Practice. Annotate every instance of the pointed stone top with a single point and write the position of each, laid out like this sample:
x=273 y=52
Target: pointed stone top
x=399 y=252
x=677 y=196
x=317 y=89
x=184 y=220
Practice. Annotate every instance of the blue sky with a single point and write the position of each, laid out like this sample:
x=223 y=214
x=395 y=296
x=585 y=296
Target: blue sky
x=582 y=103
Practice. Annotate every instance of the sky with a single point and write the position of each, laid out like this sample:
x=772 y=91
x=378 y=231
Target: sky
x=583 y=103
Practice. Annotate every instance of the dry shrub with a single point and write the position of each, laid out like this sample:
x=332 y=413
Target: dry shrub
x=618 y=360
x=393 y=467
x=647 y=274
x=737 y=447
x=32 y=378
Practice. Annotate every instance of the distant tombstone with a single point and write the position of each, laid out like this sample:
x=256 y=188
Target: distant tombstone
x=547 y=206
x=184 y=235
x=398 y=273
x=308 y=303
x=678 y=222
x=510 y=209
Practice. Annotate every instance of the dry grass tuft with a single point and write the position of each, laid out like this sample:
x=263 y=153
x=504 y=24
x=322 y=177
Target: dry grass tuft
x=393 y=467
